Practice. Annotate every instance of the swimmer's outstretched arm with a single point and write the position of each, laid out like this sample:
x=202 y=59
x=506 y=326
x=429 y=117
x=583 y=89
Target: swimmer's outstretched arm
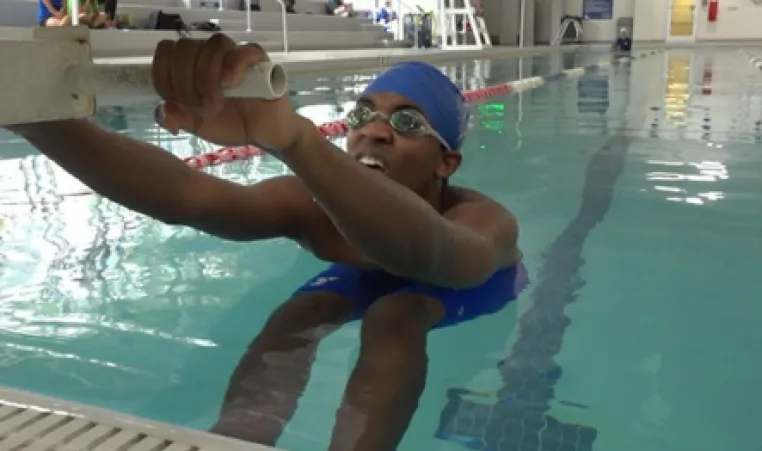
x=394 y=226
x=150 y=180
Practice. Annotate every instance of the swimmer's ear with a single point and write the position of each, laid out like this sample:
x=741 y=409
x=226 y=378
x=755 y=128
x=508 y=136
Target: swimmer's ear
x=450 y=162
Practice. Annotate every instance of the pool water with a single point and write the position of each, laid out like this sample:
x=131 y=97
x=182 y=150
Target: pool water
x=638 y=194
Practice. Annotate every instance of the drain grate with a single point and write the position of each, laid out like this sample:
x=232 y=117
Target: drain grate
x=31 y=422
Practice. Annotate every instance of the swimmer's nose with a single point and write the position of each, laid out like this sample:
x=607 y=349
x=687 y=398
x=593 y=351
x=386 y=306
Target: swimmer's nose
x=378 y=131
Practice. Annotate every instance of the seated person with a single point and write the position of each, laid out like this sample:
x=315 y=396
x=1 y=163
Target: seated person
x=109 y=7
x=51 y=13
x=386 y=15
x=623 y=43
x=89 y=14
x=340 y=8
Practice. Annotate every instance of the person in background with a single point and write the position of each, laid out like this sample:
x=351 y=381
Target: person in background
x=290 y=6
x=51 y=13
x=340 y=8
x=623 y=43
x=386 y=16
x=109 y=6
x=89 y=14
x=407 y=251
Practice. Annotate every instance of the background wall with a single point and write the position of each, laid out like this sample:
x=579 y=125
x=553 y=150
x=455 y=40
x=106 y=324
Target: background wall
x=503 y=20
x=605 y=30
x=547 y=19
x=736 y=19
x=650 y=20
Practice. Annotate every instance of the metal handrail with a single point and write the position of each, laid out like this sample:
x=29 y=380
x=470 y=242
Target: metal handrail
x=402 y=6
x=75 y=12
x=248 y=18
x=522 y=23
x=285 y=25
x=248 y=15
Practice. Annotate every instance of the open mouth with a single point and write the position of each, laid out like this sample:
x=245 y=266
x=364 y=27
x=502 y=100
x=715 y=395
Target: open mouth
x=372 y=163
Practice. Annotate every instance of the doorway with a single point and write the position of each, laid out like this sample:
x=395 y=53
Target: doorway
x=681 y=23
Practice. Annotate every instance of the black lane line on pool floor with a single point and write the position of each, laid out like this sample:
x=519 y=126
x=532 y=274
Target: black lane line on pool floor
x=518 y=419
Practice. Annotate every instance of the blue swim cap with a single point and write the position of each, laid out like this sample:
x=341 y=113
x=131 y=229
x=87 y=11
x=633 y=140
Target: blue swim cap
x=433 y=92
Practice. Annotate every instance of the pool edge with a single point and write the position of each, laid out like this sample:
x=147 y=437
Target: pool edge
x=31 y=419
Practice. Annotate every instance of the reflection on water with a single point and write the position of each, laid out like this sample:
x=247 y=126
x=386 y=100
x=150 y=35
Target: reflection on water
x=678 y=186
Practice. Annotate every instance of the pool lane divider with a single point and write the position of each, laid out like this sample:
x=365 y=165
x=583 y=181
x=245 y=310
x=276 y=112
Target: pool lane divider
x=339 y=128
x=755 y=61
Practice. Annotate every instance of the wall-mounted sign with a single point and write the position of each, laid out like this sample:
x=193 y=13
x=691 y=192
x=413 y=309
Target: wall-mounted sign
x=598 y=9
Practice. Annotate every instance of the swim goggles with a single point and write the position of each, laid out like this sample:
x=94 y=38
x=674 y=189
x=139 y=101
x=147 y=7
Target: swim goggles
x=406 y=122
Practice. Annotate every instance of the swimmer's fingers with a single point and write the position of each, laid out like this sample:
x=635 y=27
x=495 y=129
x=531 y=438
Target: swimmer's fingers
x=188 y=73
x=161 y=70
x=223 y=130
x=210 y=71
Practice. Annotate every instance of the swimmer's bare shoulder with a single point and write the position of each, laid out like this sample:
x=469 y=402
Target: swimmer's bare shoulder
x=472 y=208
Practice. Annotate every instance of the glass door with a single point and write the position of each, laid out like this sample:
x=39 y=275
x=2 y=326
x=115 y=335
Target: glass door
x=681 y=24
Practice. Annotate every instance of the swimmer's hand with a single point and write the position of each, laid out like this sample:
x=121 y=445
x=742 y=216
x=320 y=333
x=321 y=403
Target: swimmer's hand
x=190 y=75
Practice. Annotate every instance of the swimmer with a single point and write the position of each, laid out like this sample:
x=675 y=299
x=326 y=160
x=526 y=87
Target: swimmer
x=88 y=12
x=623 y=44
x=408 y=252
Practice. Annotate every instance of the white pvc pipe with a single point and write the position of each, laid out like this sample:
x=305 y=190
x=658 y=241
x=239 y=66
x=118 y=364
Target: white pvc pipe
x=285 y=25
x=399 y=29
x=522 y=23
x=74 y=12
x=46 y=94
x=263 y=81
x=248 y=15
x=441 y=6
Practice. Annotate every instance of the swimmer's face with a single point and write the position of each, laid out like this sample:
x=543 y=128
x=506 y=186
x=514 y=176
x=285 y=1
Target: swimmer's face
x=402 y=146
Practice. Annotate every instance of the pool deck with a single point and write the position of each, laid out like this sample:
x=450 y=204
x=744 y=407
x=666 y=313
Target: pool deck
x=309 y=62
x=366 y=60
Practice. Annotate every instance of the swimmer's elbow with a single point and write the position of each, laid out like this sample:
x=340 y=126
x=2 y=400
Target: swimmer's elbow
x=459 y=264
x=458 y=276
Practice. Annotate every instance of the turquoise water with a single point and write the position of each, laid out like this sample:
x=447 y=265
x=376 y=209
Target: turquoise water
x=638 y=199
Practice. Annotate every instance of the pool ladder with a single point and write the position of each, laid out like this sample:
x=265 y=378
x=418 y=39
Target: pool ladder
x=461 y=25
